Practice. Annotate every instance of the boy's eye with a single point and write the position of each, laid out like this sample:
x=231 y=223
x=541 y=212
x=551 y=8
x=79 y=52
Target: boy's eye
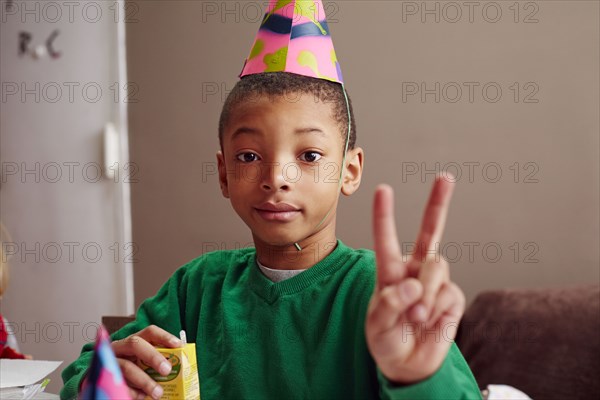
x=247 y=157
x=310 y=156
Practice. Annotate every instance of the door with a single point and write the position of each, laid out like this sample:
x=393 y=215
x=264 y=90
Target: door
x=65 y=175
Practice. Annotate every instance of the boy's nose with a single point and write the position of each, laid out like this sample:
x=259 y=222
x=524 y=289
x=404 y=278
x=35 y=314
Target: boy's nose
x=274 y=177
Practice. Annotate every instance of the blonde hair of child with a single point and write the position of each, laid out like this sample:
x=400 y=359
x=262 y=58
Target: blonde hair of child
x=4 y=238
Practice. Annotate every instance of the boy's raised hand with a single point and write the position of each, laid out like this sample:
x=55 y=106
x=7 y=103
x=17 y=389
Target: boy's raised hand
x=414 y=312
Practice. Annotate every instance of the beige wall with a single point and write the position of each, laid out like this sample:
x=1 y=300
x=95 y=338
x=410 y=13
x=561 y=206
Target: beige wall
x=185 y=56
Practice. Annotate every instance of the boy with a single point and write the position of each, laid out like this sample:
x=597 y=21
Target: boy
x=301 y=315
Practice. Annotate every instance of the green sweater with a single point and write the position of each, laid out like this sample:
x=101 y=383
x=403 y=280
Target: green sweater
x=300 y=338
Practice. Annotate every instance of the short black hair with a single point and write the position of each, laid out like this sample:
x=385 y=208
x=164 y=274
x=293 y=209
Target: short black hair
x=276 y=84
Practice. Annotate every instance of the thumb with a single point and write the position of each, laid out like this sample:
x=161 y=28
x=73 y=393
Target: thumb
x=388 y=304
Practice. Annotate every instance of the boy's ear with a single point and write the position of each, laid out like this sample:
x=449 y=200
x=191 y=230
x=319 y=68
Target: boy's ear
x=222 y=174
x=353 y=173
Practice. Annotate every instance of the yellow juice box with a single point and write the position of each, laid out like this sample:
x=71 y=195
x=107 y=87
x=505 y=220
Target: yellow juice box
x=182 y=382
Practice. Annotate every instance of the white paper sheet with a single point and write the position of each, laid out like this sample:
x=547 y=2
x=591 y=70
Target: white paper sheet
x=24 y=372
x=17 y=394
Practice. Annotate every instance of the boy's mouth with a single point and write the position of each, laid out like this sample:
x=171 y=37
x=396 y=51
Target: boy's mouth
x=277 y=211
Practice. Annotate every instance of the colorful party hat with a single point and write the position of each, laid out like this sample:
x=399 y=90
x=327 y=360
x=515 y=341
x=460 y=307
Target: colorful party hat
x=104 y=379
x=294 y=37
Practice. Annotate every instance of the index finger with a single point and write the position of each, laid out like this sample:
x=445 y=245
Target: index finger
x=135 y=348
x=390 y=267
x=142 y=345
x=159 y=337
x=434 y=218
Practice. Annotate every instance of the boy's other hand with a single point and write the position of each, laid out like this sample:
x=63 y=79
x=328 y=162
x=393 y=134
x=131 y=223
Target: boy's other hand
x=140 y=346
x=414 y=312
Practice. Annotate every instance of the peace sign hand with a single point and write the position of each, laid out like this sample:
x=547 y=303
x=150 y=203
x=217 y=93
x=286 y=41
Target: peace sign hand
x=414 y=312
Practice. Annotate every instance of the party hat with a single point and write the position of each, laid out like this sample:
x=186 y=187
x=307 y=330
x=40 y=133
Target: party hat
x=104 y=379
x=294 y=37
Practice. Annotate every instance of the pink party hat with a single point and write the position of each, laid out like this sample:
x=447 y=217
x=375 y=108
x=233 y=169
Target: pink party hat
x=294 y=37
x=104 y=380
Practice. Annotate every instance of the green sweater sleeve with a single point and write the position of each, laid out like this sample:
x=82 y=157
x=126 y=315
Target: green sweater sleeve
x=165 y=309
x=453 y=380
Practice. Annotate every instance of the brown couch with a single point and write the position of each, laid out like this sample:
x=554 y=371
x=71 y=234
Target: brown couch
x=544 y=342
